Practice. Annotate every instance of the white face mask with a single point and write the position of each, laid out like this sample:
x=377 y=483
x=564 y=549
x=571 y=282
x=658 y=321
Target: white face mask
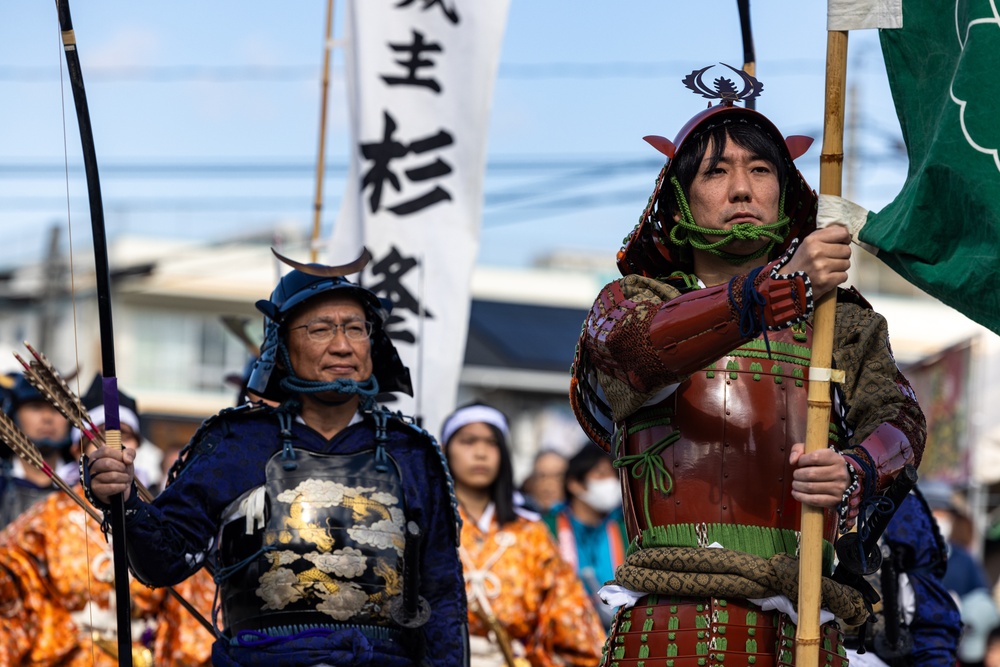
x=603 y=495
x=944 y=525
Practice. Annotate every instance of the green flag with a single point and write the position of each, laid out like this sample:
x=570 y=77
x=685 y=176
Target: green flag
x=942 y=232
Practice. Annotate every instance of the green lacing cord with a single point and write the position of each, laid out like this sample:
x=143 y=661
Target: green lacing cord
x=690 y=280
x=649 y=467
x=687 y=231
x=652 y=417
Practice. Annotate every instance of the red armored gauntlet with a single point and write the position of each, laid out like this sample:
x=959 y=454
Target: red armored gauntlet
x=697 y=328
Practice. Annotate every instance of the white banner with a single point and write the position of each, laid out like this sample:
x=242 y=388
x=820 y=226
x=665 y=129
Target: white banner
x=864 y=14
x=420 y=77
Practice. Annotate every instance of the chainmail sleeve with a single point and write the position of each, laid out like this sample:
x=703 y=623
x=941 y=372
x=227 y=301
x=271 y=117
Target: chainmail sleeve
x=615 y=341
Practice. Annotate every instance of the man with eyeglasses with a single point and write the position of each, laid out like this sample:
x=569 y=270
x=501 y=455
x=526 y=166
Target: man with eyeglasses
x=329 y=522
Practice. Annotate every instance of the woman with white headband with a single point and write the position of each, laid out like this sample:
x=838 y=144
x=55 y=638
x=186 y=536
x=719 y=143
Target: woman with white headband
x=526 y=605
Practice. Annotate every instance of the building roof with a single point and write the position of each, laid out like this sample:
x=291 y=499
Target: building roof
x=520 y=335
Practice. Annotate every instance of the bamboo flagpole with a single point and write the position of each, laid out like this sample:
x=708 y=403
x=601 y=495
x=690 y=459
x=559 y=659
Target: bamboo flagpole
x=818 y=412
x=321 y=155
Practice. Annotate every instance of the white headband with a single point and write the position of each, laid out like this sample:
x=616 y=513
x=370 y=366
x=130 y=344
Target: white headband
x=474 y=414
x=125 y=416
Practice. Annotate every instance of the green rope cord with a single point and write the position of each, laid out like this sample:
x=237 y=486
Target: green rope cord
x=650 y=468
x=650 y=417
x=690 y=280
x=687 y=231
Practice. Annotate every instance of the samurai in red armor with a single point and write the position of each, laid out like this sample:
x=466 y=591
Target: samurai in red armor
x=692 y=371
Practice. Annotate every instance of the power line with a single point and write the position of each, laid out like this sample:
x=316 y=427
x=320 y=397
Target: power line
x=168 y=74
x=297 y=73
x=297 y=168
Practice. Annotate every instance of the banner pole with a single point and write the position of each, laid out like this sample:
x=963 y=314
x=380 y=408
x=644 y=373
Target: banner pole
x=807 y=640
x=321 y=154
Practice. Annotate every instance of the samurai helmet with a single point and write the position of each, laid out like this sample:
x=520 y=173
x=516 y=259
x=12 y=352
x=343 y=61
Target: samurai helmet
x=297 y=287
x=17 y=391
x=651 y=249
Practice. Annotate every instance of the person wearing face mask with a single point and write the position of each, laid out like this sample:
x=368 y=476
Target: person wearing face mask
x=589 y=527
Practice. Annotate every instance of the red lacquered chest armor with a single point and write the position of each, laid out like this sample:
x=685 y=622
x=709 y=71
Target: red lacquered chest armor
x=724 y=437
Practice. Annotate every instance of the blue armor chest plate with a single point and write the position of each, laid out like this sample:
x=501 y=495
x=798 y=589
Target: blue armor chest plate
x=328 y=549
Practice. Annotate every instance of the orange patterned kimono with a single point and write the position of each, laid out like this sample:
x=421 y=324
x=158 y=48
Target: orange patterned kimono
x=57 y=592
x=533 y=593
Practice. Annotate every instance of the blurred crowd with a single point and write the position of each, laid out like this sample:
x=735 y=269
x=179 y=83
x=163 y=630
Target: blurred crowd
x=535 y=556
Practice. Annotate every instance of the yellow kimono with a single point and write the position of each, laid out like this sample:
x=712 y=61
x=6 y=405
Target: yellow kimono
x=515 y=574
x=57 y=598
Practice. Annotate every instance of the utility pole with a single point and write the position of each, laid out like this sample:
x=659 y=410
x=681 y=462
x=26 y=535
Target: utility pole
x=857 y=273
x=52 y=274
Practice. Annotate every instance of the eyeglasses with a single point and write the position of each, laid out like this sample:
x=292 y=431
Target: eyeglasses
x=323 y=331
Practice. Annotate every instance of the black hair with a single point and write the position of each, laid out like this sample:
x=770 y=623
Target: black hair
x=755 y=139
x=502 y=489
x=588 y=458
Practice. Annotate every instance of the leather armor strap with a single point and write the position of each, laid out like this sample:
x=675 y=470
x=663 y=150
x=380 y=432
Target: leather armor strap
x=694 y=329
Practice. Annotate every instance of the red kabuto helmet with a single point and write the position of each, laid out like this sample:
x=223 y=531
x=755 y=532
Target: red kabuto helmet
x=647 y=250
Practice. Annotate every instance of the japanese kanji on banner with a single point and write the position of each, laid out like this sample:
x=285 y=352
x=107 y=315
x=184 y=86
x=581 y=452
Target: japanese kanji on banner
x=420 y=77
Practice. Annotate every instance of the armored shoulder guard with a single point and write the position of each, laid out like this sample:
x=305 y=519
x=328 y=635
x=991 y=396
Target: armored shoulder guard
x=202 y=442
x=852 y=295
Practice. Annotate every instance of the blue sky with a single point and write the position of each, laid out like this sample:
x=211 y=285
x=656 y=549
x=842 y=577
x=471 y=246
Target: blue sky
x=233 y=88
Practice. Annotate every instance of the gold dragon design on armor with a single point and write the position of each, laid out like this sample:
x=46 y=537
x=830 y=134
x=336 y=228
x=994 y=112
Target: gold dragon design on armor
x=308 y=531
x=314 y=580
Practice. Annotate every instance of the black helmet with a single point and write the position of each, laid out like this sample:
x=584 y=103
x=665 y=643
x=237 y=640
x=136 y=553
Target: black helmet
x=303 y=283
x=16 y=392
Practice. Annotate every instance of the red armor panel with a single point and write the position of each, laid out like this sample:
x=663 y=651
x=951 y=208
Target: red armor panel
x=693 y=632
x=734 y=424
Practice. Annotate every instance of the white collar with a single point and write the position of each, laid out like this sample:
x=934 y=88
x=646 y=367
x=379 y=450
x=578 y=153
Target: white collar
x=354 y=419
x=486 y=520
